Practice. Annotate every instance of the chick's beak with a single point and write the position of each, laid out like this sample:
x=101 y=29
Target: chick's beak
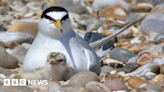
x=58 y=24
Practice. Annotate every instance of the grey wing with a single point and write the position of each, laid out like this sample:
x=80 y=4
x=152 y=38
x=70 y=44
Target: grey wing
x=92 y=59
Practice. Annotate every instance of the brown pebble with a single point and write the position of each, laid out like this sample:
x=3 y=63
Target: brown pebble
x=112 y=76
x=11 y=44
x=107 y=33
x=28 y=27
x=157 y=78
x=135 y=82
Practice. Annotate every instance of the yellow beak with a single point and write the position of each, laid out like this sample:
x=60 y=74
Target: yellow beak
x=58 y=24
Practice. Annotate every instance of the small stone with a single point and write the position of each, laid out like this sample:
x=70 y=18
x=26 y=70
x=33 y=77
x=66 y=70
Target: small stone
x=79 y=9
x=5 y=71
x=4 y=89
x=133 y=59
x=78 y=89
x=144 y=59
x=138 y=90
x=36 y=6
x=130 y=67
x=106 y=69
x=2 y=44
x=18 y=37
x=51 y=4
x=151 y=86
x=140 y=47
x=153 y=22
x=154 y=50
x=162 y=69
x=157 y=78
x=28 y=27
x=97 y=87
x=107 y=33
x=55 y=87
x=115 y=85
x=120 y=54
x=18 y=89
x=11 y=44
x=93 y=27
x=6 y=60
x=19 y=52
x=150 y=75
x=141 y=7
x=113 y=76
x=82 y=78
x=99 y=5
x=132 y=17
x=125 y=79
x=158 y=9
x=29 y=14
x=116 y=12
x=135 y=82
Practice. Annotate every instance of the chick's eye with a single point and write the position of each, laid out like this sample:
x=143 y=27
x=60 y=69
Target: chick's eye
x=59 y=60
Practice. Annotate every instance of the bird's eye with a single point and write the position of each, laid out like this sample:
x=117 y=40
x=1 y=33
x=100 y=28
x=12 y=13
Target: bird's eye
x=50 y=18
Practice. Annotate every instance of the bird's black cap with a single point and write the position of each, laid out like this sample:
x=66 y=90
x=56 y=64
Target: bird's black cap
x=54 y=9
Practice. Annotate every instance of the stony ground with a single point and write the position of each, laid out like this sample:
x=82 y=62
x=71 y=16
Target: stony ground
x=134 y=63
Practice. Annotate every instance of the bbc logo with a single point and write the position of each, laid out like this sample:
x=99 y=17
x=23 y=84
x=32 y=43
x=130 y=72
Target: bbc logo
x=23 y=82
x=14 y=82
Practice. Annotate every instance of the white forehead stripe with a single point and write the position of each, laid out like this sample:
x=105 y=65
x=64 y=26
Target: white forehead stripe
x=57 y=15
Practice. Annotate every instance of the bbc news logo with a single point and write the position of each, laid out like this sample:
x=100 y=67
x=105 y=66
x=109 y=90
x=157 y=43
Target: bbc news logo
x=23 y=82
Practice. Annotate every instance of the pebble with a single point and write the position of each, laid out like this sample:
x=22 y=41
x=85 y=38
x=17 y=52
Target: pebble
x=154 y=50
x=94 y=86
x=150 y=86
x=115 y=85
x=122 y=55
x=133 y=59
x=99 y=5
x=5 y=71
x=141 y=7
x=135 y=82
x=18 y=37
x=144 y=59
x=18 y=89
x=28 y=27
x=2 y=44
x=115 y=12
x=154 y=23
x=19 y=52
x=6 y=60
x=106 y=69
x=82 y=78
x=130 y=67
x=112 y=76
x=158 y=9
x=150 y=75
x=4 y=89
x=132 y=17
x=78 y=89
x=79 y=9
x=162 y=69
x=55 y=87
x=140 y=47
x=10 y=44
x=157 y=78
x=75 y=18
